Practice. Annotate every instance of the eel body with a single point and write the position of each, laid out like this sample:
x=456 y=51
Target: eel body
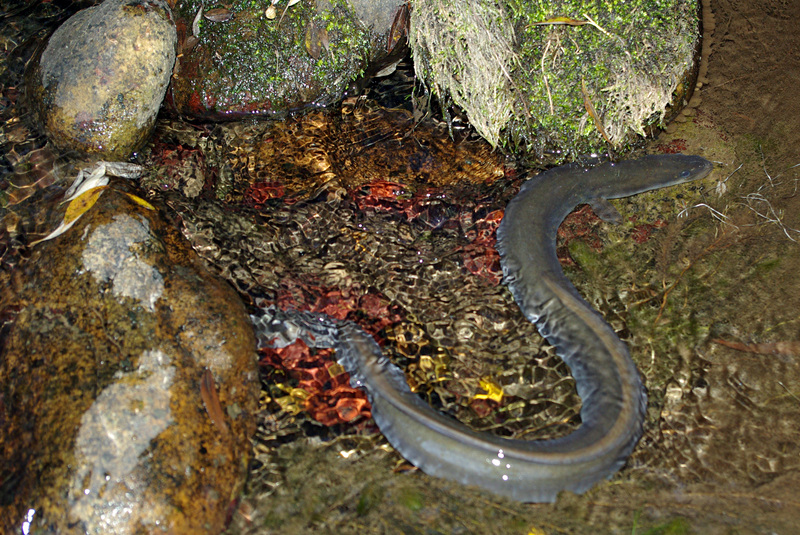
x=607 y=380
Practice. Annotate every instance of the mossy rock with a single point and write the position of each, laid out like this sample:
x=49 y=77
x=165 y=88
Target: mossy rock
x=527 y=72
x=253 y=63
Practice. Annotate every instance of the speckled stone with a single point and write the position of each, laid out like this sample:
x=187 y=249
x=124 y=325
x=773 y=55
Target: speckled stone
x=128 y=383
x=103 y=75
x=306 y=56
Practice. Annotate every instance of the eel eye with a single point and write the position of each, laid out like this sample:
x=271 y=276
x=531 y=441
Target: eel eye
x=685 y=174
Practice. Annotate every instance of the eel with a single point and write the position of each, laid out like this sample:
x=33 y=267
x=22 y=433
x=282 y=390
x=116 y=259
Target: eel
x=614 y=398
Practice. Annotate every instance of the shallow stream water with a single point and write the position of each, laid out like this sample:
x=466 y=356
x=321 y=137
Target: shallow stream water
x=356 y=211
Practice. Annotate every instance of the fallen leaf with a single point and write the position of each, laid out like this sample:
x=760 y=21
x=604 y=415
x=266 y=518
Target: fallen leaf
x=494 y=391
x=561 y=20
x=316 y=38
x=219 y=14
x=400 y=26
x=82 y=203
x=141 y=202
x=77 y=207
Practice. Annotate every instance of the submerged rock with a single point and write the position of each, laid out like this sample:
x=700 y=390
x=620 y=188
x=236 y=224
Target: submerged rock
x=102 y=77
x=129 y=382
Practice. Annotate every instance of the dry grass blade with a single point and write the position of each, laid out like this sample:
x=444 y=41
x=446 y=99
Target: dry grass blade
x=476 y=74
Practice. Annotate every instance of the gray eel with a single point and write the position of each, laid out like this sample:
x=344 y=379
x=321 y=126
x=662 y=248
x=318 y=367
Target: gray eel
x=613 y=396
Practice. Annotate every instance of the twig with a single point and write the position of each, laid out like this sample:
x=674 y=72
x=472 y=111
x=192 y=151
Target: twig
x=773 y=216
x=789 y=391
x=764 y=165
x=722 y=185
x=593 y=23
x=587 y=103
x=719 y=216
x=544 y=77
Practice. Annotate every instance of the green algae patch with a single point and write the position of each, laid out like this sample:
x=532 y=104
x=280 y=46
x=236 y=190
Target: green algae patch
x=370 y=498
x=412 y=499
x=676 y=526
x=563 y=77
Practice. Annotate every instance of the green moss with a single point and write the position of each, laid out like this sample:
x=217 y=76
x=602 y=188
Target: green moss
x=348 y=38
x=631 y=55
x=252 y=60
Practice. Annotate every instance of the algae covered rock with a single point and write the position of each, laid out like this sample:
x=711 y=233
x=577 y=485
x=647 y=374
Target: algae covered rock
x=558 y=77
x=102 y=77
x=254 y=58
x=129 y=382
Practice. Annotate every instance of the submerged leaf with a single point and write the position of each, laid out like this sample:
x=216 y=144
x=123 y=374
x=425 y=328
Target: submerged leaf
x=494 y=391
x=87 y=179
x=82 y=203
x=141 y=202
x=208 y=393
x=77 y=207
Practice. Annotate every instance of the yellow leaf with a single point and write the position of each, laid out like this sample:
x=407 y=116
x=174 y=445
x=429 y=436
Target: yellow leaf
x=81 y=204
x=76 y=208
x=289 y=404
x=572 y=22
x=294 y=401
x=561 y=20
x=494 y=391
x=140 y=201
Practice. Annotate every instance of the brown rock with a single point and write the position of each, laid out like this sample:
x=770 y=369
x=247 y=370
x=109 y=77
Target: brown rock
x=128 y=383
x=101 y=79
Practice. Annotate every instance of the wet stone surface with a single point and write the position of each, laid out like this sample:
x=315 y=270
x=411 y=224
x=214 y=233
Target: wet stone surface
x=103 y=76
x=130 y=382
x=247 y=60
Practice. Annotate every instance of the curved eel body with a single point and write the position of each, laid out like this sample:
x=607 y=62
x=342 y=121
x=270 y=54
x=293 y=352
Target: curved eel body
x=607 y=380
